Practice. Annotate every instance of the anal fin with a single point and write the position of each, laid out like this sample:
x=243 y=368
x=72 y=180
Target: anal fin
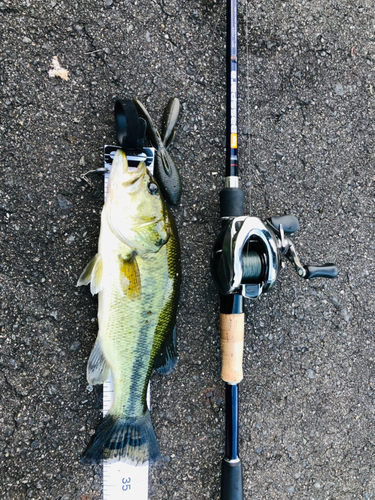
x=97 y=366
x=166 y=361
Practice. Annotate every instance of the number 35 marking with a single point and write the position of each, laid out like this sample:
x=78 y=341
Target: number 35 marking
x=126 y=483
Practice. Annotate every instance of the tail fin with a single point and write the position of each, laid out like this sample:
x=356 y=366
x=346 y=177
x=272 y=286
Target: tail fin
x=130 y=440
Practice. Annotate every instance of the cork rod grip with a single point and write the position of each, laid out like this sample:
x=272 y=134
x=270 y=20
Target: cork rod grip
x=232 y=339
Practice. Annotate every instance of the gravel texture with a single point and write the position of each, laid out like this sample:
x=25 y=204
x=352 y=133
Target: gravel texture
x=307 y=93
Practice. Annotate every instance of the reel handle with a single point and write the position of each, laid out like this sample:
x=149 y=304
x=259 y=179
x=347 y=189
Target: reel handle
x=289 y=222
x=324 y=271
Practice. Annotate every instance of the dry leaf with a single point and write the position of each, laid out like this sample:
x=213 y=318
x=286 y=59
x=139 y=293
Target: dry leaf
x=58 y=70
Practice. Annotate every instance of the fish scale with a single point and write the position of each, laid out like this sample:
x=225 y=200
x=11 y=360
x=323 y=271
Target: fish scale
x=143 y=324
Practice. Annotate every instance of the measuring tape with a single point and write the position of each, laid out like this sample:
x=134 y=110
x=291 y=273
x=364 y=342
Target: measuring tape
x=122 y=481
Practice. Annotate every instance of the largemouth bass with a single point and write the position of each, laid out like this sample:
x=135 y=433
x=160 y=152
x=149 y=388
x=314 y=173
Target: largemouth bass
x=136 y=273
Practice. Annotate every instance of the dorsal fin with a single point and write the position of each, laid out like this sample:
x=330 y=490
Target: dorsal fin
x=166 y=361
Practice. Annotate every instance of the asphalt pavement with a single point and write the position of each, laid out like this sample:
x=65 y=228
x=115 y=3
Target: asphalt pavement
x=307 y=94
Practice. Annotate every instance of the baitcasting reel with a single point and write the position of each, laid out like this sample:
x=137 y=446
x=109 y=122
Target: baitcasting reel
x=246 y=257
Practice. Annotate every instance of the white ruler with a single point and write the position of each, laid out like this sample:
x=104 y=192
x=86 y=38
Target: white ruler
x=123 y=481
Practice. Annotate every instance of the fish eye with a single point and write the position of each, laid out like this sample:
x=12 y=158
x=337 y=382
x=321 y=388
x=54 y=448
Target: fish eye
x=152 y=187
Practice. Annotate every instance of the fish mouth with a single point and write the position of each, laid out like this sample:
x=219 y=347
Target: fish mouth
x=120 y=162
x=121 y=166
x=149 y=223
x=132 y=179
x=132 y=176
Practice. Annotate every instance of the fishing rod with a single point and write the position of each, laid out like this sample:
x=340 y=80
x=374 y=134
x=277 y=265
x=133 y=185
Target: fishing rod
x=245 y=262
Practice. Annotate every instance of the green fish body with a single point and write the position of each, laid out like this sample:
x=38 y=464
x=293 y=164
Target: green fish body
x=136 y=274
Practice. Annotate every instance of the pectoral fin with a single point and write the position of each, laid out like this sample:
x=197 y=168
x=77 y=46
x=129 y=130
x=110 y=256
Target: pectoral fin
x=93 y=273
x=130 y=278
x=166 y=361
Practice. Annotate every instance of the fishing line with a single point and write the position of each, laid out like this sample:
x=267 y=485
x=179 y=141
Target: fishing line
x=199 y=73
x=195 y=84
